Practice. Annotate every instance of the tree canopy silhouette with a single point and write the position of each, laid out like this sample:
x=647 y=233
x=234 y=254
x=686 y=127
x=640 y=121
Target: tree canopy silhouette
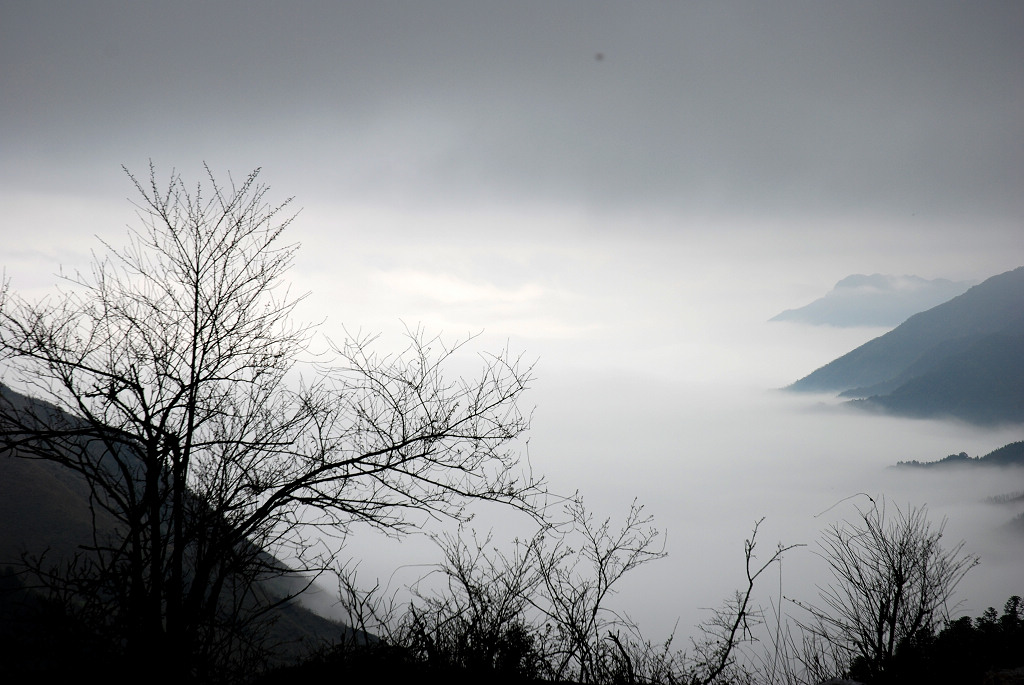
x=216 y=440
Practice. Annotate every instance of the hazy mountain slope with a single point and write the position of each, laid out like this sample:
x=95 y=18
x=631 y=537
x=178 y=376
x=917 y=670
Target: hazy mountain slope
x=926 y=339
x=44 y=508
x=875 y=300
x=927 y=360
x=982 y=384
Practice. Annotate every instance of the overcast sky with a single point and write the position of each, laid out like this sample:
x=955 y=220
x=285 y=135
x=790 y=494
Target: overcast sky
x=798 y=110
x=515 y=153
x=626 y=190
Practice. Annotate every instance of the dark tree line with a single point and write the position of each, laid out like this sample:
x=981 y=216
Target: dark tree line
x=964 y=650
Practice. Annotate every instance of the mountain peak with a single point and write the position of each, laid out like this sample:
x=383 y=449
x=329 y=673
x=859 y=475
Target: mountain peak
x=875 y=300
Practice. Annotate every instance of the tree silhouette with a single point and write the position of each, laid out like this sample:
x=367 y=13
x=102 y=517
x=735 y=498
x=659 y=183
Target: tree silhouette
x=892 y=579
x=216 y=441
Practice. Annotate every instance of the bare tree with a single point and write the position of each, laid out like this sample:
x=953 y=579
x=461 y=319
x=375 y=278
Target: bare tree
x=539 y=610
x=579 y=569
x=214 y=441
x=477 y=618
x=892 y=578
x=733 y=624
x=542 y=611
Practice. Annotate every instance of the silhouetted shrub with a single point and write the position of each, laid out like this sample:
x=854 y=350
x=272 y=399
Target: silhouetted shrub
x=963 y=652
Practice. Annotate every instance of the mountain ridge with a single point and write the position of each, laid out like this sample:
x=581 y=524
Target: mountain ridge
x=874 y=300
x=1011 y=454
x=961 y=359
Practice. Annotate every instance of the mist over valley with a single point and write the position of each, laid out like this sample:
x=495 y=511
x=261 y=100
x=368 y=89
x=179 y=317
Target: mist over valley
x=713 y=443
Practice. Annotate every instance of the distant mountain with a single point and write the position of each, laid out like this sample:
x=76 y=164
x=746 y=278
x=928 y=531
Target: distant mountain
x=962 y=359
x=1007 y=455
x=875 y=300
x=1011 y=455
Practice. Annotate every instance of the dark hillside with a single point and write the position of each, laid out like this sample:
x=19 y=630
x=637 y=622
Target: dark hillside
x=45 y=510
x=984 y=384
x=1007 y=455
x=42 y=506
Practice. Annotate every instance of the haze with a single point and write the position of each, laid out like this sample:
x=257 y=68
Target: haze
x=624 y=191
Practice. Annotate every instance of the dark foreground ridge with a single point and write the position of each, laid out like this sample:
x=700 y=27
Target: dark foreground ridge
x=46 y=524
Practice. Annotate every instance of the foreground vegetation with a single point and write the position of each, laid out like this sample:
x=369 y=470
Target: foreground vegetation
x=539 y=615
x=964 y=651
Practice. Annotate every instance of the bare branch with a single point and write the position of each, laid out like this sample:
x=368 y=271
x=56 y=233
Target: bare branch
x=164 y=378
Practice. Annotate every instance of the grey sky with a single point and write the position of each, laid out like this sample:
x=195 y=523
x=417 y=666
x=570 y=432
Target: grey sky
x=799 y=108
